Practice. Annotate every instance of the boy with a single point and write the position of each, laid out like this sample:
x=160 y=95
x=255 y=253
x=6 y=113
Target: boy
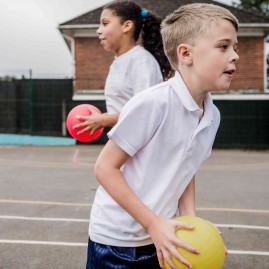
x=147 y=168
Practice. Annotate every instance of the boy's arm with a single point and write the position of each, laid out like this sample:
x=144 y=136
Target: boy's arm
x=186 y=203
x=108 y=173
x=162 y=231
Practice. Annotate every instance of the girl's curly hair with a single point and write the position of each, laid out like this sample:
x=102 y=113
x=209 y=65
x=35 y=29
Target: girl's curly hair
x=147 y=26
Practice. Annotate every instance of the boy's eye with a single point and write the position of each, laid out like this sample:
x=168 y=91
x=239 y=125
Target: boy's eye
x=224 y=46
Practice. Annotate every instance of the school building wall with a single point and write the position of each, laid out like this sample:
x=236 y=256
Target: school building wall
x=92 y=64
x=250 y=68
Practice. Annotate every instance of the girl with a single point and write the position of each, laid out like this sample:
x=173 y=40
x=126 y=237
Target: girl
x=123 y=24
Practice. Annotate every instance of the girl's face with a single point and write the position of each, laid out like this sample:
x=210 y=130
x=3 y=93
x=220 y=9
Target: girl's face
x=111 y=31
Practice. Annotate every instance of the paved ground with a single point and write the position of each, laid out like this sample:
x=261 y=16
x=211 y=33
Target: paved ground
x=46 y=195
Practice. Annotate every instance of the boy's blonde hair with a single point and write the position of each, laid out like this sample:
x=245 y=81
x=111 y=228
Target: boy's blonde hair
x=187 y=23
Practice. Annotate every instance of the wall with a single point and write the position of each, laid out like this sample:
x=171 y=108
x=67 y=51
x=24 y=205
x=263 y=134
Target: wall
x=249 y=73
x=92 y=64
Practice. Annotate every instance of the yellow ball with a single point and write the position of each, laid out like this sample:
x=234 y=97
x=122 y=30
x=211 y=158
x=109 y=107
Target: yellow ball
x=204 y=237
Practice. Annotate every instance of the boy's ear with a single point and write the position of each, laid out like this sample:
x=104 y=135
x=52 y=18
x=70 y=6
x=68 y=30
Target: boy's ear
x=184 y=54
x=127 y=26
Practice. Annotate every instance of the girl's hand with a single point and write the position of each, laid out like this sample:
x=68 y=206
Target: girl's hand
x=92 y=122
x=163 y=234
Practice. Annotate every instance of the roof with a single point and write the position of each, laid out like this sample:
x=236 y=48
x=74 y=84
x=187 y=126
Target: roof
x=163 y=8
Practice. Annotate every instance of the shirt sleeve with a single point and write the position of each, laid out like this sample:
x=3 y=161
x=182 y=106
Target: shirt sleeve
x=138 y=122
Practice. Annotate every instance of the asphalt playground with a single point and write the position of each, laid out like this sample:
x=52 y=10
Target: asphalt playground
x=46 y=194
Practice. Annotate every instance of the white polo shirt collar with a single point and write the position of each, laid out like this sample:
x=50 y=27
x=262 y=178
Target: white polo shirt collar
x=187 y=100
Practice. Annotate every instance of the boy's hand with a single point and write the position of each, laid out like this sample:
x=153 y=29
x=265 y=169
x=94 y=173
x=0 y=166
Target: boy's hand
x=92 y=122
x=163 y=234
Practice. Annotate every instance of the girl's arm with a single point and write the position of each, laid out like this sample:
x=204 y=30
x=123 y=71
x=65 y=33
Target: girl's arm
x=96 y=121
x=162 y=231
x=186 y=203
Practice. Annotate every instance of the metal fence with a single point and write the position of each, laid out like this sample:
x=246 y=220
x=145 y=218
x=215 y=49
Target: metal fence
x=244 y=121
x=33 y=106
x=37 y=106
x=40 y=107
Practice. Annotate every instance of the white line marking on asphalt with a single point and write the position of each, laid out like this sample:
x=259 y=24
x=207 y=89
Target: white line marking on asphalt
x=43 y=203
x=77 y=244
x=43 y=219
x=241 y=210
x=239 y=226
x=75 y=156
x=218 y=209
x=36 y=164
x=48 y=243
x=248 y=252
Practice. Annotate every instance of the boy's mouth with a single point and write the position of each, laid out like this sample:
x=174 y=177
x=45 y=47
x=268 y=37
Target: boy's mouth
x=229 y=72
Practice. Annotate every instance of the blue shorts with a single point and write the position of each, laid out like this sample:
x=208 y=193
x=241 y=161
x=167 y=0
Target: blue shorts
x=110 y=257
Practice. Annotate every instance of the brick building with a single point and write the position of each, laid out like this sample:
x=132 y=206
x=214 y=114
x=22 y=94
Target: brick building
x=92 y=61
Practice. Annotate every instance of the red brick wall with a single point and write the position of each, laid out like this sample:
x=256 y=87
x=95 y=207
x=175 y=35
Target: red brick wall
x=92 y=64
x=250 y=68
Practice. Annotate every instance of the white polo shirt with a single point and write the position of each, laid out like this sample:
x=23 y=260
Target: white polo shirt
x=160 y=129
x=130 y=73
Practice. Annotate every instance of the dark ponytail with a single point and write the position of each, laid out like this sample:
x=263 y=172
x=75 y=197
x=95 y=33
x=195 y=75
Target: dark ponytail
x=152 y=41
x=147 y=25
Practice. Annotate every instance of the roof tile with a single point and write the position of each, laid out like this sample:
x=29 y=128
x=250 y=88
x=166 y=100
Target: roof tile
x=163 y=8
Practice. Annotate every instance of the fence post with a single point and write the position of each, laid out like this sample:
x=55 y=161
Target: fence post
x=63 y=117
x=30 y=91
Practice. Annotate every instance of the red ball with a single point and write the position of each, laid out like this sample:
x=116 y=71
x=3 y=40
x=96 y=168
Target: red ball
x=71 y=120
